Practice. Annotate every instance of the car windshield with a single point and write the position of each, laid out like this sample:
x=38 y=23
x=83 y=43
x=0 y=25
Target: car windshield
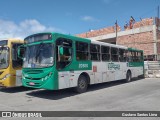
x=4 y=57
x=38 y=56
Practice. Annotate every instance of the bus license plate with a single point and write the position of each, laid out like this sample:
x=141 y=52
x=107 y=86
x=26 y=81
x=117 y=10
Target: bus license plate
x=31 y=83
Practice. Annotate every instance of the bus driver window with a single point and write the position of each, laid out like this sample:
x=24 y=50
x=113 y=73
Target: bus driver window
x=63 y=52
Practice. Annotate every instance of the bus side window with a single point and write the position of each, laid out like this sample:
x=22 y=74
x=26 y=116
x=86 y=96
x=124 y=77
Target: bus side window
x=16 y=61
x=122 y=55
x=82 y=51
x=63 y=52
x=130 y=57
x=114 y=54
x=141 y=56
x=105 y=51
x=134 y=56
x=126 y=55
x=95 y=52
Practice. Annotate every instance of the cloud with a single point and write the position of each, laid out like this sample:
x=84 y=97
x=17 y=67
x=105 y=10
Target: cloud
x=89 y=18
x=9 y=29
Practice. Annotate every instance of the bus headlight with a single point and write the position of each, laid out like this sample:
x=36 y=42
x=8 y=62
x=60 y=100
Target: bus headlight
x=6 y=76
x=46 y=77
x=23 y=76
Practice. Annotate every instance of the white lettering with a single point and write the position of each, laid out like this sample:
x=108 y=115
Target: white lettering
x=142 y=114
x=34 y=115
x=128 y=114
x=153 y=114
x=83 y=65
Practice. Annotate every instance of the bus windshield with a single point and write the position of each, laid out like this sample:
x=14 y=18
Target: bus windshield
x=4 y=57
x=39 y=56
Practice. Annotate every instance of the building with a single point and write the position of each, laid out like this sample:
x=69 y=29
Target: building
x=144 y=35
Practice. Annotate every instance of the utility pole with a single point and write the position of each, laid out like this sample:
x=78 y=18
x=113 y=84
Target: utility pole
x=116 y=30
x=158 y=12
x=157 y=55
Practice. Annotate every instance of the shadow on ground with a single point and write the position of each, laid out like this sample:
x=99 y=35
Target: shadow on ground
x=15 y=89
x=64 y=93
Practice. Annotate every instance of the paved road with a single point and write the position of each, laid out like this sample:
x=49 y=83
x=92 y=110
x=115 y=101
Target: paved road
x=139 y=95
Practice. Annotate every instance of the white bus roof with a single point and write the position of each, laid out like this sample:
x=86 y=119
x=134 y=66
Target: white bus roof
x=108 y=44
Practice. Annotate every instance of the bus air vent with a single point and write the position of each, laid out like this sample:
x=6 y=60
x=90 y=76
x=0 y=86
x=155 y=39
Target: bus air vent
x=34 y=71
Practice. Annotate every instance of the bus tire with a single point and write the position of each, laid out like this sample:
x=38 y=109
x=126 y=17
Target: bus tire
x=82 y=84
x=128 y=76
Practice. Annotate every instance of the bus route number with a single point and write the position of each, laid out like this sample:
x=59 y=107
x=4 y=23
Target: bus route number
x=83 y=65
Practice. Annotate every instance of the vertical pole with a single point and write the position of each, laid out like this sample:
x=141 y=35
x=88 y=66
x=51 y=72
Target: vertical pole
x=157 y=55
x=158 y=14
x=116 y=31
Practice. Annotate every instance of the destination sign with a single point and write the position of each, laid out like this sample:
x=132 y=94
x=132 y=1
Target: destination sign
x=38 y=37
x=3 y=42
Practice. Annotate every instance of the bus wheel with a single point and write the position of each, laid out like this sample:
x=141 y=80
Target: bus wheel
x=82 y=84
x=128 y=76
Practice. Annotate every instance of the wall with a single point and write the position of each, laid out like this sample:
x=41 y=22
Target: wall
x=99 y=32
x=142 y=35
x=142 y=41
x=143 y=22
x=158 y=43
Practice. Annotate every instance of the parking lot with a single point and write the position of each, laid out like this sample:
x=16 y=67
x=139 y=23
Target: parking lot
x=139 y=95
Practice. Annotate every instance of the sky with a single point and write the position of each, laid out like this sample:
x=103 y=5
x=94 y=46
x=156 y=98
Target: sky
x=20 y=18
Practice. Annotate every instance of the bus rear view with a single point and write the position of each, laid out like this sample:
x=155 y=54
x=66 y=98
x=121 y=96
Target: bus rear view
x=9 y=62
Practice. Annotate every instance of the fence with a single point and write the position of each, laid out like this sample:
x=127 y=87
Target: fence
x=152 y=69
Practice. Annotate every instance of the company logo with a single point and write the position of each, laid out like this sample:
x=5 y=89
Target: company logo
x=114 y=66
x=6 y=114
x=21 y=114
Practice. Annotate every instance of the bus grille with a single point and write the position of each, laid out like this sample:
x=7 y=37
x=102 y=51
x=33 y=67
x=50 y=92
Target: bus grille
x=33 y=71
x=33 y=78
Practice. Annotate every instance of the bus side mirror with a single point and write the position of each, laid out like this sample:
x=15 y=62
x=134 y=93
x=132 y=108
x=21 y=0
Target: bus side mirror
x=61 y=50
x=21 y=50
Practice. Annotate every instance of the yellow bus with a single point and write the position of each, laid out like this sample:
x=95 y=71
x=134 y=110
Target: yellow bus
x=9 y=62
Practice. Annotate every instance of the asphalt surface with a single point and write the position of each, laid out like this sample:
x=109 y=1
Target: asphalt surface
x=138 y=95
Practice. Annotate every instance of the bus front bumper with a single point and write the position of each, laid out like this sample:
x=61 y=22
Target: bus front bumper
x=41 y=84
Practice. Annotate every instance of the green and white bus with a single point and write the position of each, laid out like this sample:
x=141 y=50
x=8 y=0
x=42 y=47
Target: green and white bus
x=56 y=61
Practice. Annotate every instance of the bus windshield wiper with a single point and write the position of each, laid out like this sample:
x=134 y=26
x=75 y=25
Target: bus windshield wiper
x=28 y=50
x=38 y=50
